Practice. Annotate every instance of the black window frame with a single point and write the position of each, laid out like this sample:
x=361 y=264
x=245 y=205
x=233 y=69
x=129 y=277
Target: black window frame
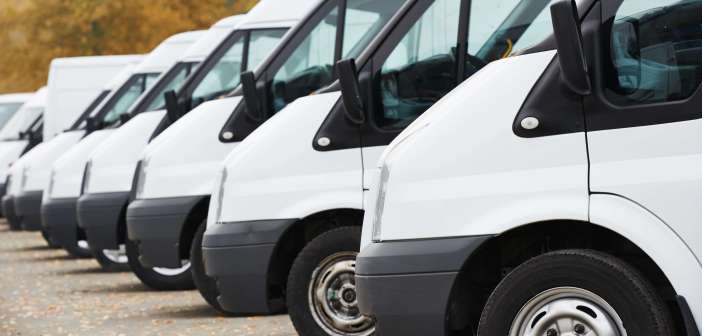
x=602 y=114
x=110 y=103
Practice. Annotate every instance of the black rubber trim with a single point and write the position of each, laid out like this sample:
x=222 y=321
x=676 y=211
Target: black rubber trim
x=155 y=225
x=100 y=216
x=391 y=277
x=246 y=233
x=60 y=221
x=28 y=209
x=8 y=210
x=417 y=256
x=688 y=318
x=238 y=256
x=3 y=191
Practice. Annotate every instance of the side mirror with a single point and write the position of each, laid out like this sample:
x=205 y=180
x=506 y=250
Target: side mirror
x=248 y=86
x=172 y=108
x=569 y=39
x=124 y=117
x=351 y=91
x=92 y=124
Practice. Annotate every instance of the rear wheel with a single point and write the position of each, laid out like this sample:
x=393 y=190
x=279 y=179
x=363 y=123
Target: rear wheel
x=159 y=278
x=321 y=291
x=575 y=292
x=205 y=284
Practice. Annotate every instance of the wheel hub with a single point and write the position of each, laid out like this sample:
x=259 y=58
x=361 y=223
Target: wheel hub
x=117 y=256
x=333 y=299
x=567 y=311
x=174 y=271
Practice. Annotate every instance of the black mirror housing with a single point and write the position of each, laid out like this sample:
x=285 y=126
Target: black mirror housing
x=351 y=91
x=248 y=87
x=569 y=40
x=172 y=107
x=92 y=124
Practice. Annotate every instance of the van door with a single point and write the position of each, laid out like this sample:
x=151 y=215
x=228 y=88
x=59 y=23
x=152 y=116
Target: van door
x=644 y=119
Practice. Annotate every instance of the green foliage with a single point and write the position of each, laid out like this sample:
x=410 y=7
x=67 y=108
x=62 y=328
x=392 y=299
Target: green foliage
x=36 y=31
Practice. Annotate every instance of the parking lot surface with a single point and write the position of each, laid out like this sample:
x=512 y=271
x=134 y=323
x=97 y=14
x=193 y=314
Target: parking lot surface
x=45 y=292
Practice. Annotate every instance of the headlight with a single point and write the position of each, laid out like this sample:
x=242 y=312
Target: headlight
x=8 y=184
x=220 y=195
x=380 y=202
x=140 y=177
x=86 y=177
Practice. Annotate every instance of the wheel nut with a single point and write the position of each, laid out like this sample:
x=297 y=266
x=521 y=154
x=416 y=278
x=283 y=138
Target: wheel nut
x=551 y=332
x=579 y=328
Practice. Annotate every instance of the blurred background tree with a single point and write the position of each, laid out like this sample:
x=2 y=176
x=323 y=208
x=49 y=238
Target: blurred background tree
x=33 y=32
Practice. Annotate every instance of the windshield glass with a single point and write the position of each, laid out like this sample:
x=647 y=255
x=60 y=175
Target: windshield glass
x=172 y=81
x=125 y=97
x=7 y=111
x=310 y=66
x=20 y=122
x=224 y=75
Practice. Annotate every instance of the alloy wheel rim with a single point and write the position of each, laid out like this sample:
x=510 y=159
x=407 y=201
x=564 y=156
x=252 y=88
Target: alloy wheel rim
x=333 y=299
x=118 y=256
x=173 y=271
x=567 y=311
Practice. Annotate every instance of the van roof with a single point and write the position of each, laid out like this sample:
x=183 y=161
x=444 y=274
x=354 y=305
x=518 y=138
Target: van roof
x=212 y=38
x=168 y=52
x=94 y=61
x=277 y=13
x=38 y=98
x=15 y=97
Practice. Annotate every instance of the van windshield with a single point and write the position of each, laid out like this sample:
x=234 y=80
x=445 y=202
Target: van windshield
x=173 y=80
x=20 y=122
x=125 y=97
x=7 y=110
x=223 y=76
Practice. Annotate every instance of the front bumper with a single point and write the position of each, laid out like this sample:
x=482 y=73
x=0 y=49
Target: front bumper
x=28 y=209
x=100 y=215
x=156 y=225
x=238 y=255
x=392 y=277
x=60 y=221
x=8 y=209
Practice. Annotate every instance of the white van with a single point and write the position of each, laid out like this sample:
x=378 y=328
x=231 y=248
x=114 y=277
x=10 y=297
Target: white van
x=16 y=135
x=58 y=207
x=290 y=201
x=83 y=80
x=167 y=219
x=15 y=110
x=554 y=193
x=110 y=170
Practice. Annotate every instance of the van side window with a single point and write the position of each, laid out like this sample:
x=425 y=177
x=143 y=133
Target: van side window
x=224 y=75
x=422 y=67
x=655 y=48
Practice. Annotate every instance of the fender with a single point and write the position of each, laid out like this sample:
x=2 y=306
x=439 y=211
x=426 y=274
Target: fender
x=656 y=239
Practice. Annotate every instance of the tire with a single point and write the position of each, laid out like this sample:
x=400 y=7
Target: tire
x=156 y=278
x=77 y=251
x=107 y=263
x=206 y=285
x=587 y=284
x=334 y=249
x=48 y=240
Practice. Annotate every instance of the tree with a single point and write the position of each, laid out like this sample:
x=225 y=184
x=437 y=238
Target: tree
x=36 y=31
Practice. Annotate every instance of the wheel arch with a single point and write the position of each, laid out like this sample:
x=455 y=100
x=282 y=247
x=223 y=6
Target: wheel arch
x=617 y=226
x=193 y=220
x=296 y=237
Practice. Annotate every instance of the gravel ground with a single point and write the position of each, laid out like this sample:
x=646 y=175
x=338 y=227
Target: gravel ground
x=44 y=292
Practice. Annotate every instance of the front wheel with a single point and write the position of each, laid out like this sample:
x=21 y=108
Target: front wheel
x=112 y=260
x=575 y=292
x=206 y=285
x=159 y=278
x=321 y=291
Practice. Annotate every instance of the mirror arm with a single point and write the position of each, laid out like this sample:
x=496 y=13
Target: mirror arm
x=251 y=99
x=569 y=41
